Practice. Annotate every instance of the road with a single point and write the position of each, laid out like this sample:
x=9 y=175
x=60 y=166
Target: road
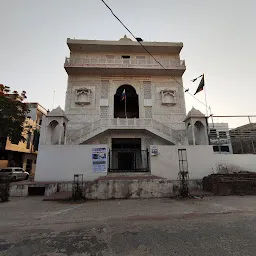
x=208 y=226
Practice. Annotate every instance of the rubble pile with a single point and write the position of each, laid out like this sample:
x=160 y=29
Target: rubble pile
x=241 y=183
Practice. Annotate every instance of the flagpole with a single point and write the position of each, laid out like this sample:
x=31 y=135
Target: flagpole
x=125 y=106
x=206 y=103
x=211 y=116
x=205 y=98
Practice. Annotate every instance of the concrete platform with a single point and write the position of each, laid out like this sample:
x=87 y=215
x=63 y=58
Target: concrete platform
x=128 y=186
x=23 y=188
x=111 y=186
x=58 y=196
x=122 y=187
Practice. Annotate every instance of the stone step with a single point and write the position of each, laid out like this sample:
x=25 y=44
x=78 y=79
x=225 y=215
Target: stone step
x=130 y=176
x=128 y=173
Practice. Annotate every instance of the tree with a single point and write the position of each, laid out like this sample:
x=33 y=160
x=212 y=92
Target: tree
x=13 y=113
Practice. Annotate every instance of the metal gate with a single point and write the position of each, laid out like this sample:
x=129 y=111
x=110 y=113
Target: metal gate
x=183 y=173
x=128 y=160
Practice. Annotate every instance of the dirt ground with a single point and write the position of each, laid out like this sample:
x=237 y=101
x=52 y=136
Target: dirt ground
x=208 y=226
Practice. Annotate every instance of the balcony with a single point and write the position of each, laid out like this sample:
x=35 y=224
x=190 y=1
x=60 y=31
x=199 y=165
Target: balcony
x=120 y=66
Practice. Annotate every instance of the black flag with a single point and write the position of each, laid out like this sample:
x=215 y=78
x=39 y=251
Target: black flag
x=201 y=84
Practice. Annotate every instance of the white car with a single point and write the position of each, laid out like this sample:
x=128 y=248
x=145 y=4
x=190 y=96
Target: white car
x=14 y=173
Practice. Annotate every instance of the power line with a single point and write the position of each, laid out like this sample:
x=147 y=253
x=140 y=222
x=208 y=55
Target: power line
x=150 y=53
x=235 y=116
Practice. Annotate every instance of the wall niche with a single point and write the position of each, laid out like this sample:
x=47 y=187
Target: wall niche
x=83 y=96
x=168 y=97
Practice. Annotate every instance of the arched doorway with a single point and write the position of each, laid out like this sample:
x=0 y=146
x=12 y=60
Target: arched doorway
x=190 y=134
x=54 y=132
x=128 y=107
x=199 y=131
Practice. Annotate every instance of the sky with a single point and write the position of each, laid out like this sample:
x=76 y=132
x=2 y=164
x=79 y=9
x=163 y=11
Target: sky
x=219 y=40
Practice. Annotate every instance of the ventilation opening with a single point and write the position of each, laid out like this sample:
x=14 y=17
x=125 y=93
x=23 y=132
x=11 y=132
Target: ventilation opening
x=126 y=59
x=36 y=191
x=224 y=148
x=216 y=149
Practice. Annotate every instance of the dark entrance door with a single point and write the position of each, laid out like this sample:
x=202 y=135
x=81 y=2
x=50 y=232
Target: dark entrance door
x=126 y=156
x=126 y=144
x=125 y=160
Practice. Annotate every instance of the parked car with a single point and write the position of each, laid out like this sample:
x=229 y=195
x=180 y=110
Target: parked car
x=14 y=173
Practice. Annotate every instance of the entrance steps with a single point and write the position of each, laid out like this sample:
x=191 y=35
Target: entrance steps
x=119 y=175
x=124 y=186
x=121 y=186
x=111 y=186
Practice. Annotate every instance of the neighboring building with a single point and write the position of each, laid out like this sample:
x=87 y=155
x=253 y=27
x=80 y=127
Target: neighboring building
x=243 y=139
x=24 y=154
x=219 y=137
x=119 y=96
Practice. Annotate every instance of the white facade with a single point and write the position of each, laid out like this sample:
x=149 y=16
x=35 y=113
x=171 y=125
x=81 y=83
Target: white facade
x=97 y=71
x=152 y=112
x=90 y=98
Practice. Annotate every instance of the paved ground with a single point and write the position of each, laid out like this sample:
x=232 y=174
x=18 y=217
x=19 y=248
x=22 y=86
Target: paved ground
x=210 y=226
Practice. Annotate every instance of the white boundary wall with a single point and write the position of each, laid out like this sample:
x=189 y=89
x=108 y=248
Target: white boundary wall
x=202 y=161
x=61 y=162
x=246 y=162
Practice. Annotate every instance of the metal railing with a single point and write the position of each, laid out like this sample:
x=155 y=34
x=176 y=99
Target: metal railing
x=128 y=160
x=119 y=62
x=119 y=123
x=219 y=140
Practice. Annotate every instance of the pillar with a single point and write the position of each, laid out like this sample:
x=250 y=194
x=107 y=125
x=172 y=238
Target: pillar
x=193 y=132
x=60 y=134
